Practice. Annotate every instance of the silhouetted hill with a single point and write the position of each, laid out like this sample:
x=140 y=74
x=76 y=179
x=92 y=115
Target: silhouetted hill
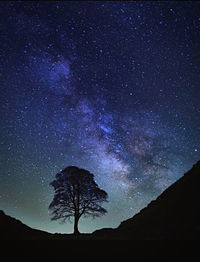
x=175 y=214
x=14 y=229
x=11 y=228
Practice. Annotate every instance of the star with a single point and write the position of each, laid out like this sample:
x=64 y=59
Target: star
x=108 y=87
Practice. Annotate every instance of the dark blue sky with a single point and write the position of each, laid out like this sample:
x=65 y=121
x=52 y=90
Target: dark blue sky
x=112 y=87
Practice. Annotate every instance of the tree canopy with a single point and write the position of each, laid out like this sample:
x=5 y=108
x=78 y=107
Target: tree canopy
x=76 y=195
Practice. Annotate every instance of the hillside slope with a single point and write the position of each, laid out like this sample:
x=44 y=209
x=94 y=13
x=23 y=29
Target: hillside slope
x=11 y=228
x=175 y=214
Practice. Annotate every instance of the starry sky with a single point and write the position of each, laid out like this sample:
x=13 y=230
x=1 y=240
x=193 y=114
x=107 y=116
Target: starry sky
x=111 y=87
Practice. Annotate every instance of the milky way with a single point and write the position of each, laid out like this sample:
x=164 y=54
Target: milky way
x=111 y=87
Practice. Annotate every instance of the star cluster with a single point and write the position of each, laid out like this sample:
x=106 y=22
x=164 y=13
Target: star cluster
x=112 y=87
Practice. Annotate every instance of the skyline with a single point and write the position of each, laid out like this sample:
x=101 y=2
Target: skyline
x=110 y=87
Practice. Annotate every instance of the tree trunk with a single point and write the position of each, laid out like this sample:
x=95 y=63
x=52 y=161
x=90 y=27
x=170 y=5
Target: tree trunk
x=76 y=218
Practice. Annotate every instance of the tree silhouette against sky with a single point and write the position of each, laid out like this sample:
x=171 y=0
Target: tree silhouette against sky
x=76 y=195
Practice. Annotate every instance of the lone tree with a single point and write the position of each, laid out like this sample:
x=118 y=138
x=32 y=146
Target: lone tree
x=76 y=194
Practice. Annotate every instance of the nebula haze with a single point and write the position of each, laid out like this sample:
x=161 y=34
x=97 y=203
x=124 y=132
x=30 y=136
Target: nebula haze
x=111 y=87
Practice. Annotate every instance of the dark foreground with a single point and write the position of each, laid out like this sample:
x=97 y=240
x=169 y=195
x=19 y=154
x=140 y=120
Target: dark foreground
x=174 y=215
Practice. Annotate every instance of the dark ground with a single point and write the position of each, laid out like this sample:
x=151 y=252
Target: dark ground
x=174 y=215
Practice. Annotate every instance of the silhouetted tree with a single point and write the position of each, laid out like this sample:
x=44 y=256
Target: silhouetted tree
x=76 y=194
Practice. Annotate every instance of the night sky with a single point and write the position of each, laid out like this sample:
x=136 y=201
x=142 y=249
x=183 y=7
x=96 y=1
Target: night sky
x=111 y=87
